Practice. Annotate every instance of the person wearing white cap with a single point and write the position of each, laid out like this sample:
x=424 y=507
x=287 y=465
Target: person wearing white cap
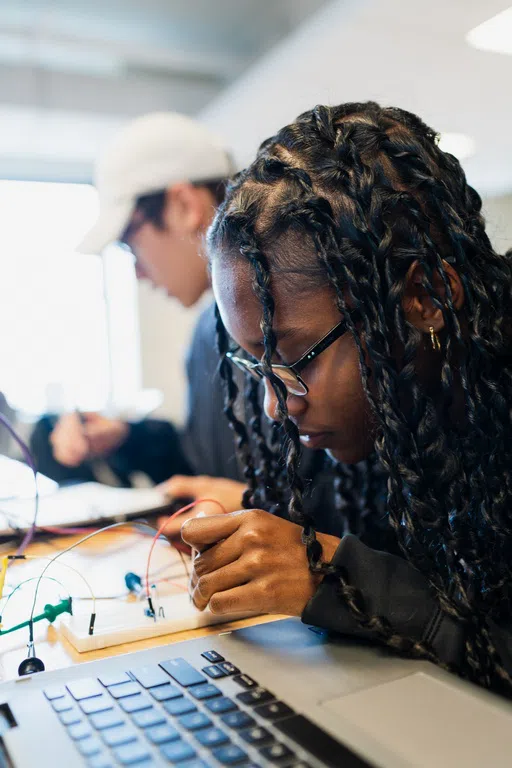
x=159 y=183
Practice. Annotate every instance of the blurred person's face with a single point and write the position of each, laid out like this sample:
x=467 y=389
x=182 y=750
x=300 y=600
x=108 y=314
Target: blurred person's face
x=170 y=257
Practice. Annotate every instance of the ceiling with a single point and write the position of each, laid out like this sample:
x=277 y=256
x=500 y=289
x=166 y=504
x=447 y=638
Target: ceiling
x=72 y=70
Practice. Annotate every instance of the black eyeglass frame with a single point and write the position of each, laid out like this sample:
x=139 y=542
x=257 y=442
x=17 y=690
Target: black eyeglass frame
x=256 y=369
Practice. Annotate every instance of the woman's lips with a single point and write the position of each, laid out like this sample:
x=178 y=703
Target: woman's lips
x=315 y=440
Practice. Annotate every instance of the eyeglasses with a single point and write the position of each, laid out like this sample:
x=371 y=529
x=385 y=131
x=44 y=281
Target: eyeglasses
x=290 y=374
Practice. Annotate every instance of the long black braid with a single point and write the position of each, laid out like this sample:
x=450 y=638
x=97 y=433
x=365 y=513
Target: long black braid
x=371 y=192
x=238 y=426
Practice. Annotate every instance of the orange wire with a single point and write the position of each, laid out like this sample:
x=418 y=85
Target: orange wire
x=164 y=525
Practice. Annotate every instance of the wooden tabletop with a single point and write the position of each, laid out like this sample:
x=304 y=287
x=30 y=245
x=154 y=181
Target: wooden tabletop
x=104 y=560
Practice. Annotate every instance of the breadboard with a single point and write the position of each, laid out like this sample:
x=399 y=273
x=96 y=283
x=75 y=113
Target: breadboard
x=125 y=623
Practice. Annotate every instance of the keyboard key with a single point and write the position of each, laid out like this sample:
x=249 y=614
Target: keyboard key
x=85 y=689
x=166 y=692
x=212 y=656
x=108 y=719
x=211 y=737
x=150 y=676
x=319 y=743
x=132 y=753
x=122 y=734
x=117 y=737
x=63 y=704
x=80 y=730
x=71 y=716
x=194 y=764
x=96 y=704
x=274 y=711
x=135 y=703
x=177 y=751
x=276 y=753
x=228 y=668
x=161 y=734
x=54 y=692
x=214 y=671
x=147 y=718
x=207 y=691
x=194 y=721
x=219 y=706
x=100 y=761
x=256 y=696
x=230 y=755
x=257 y=735
x=125 y=689
x=183 y=672
x=179 y=707
x=116 y=678
x=238 y=719
x=245 y=681
x=90 y=746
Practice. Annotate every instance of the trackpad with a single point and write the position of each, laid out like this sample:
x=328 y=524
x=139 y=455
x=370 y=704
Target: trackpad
x=431 y=724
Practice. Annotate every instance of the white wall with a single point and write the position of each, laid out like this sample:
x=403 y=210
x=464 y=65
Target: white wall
x=498 y=213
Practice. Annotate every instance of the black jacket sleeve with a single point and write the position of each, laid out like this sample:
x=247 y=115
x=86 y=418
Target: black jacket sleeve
x=392 y=588
x=152 y=447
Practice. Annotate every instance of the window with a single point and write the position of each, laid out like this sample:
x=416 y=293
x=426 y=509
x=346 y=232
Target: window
x=69 y=333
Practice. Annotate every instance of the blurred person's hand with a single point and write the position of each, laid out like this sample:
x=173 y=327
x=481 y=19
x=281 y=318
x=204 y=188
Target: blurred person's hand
x=227 y=492
x=77 y=439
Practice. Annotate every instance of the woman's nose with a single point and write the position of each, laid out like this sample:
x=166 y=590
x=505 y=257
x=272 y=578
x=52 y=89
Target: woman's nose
x=296 y=405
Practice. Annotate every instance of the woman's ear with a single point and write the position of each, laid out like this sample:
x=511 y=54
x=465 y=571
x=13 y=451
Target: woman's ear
x=418 y=306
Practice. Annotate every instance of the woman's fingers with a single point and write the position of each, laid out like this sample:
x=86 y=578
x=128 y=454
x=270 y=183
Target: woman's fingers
x=173 y=527
x=204 y=531
x=248 y=598
x=221 y=580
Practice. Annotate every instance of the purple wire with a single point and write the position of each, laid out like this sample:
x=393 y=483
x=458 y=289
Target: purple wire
x=31 y=463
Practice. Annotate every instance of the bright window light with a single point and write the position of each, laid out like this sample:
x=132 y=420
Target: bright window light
x=58 y=351
x=495 y=34
x=457 y=144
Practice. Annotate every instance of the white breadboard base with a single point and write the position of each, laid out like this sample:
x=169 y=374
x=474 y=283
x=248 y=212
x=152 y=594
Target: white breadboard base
x=127 y=623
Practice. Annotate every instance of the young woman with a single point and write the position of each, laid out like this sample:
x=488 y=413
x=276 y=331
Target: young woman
x=353 y=275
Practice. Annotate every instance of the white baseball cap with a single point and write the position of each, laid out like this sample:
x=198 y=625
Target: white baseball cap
x=148 y=155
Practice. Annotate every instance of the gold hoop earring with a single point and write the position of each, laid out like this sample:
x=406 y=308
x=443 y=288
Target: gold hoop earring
x=434 y=339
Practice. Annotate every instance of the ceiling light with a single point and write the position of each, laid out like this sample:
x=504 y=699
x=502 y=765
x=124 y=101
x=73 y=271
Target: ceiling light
x=457 y=144
x=494 y=34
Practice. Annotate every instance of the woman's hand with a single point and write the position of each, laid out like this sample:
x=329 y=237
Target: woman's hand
x=227 y=492
x=251 y=561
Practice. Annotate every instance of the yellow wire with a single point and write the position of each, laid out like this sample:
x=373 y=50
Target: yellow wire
x=3 y=574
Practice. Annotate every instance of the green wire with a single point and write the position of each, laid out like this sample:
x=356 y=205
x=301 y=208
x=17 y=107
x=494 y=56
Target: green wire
x=50 y=613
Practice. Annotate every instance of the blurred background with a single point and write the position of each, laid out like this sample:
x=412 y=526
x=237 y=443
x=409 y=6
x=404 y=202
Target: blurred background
x=77 y=331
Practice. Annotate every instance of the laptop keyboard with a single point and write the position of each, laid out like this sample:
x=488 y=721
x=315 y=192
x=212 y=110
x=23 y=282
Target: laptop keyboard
x=172 y=713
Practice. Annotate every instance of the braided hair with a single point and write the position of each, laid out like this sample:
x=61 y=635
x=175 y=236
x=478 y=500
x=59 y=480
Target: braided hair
x=365 y=192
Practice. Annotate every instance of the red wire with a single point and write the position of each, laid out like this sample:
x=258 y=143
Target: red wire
x=171 y=517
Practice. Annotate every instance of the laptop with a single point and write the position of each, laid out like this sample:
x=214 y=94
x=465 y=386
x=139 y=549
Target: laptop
x=72 y=505
x=277 y=694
